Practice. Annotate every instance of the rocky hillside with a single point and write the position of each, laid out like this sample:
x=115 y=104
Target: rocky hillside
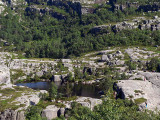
x=65 y=29
x=14 y=100
x=112 y=45
x=131 y=72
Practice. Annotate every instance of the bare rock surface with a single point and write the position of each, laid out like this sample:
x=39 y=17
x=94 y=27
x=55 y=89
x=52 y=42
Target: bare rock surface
x=141 y=89
x=12 y=115
x=50 y=112
x=136 y=53
x=4 y=75
x=31 y=99
x=89 y=102
x=153 y=77
x=23 y=98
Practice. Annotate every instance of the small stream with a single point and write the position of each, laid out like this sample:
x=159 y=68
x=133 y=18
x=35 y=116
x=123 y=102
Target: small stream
x=79 y=89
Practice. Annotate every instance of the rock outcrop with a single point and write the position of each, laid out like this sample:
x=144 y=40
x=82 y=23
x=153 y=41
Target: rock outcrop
x=112 y=58
x=33 y=9
x=31 y=99
x=20 y=69
x=12 y=115
x=136 y=54
x=137 y=23
x=139 y=6
x=89 y=102
x=152 y=77
x=135 y=89
x=4 y=75
x=20 y=98
x=50 y=112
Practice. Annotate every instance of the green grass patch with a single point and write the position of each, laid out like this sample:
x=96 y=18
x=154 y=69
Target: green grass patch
x=68 y=98
x=7 y=103
x=138 y=91
x=140 y=100
x=11 y=95
x=44 y=104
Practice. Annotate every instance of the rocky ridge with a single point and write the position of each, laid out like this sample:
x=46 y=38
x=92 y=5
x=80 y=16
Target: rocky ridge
x=40 y=67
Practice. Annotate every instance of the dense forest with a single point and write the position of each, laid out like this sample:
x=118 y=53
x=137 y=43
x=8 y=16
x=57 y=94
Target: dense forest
x=69 y=33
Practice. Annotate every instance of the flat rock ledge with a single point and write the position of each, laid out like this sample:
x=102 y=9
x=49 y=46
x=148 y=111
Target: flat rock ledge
x=135 y=89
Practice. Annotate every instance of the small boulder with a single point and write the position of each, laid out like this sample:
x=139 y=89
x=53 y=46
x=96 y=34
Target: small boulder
x=104 y=58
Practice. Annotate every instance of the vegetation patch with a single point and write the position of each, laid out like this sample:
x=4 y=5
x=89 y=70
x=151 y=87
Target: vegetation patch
x=140 y=100
x=139 y=91
x=44 y=104
x=7 y=103
x=10 y=95
x=16 y=73
x=138 y=79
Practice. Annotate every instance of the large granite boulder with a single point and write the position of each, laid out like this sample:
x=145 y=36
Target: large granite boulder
x=50 y=112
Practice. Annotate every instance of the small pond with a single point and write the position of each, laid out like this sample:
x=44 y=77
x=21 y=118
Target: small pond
x=79 y=89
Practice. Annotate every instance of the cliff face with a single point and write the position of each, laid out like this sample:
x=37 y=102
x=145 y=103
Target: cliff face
x=12 y=115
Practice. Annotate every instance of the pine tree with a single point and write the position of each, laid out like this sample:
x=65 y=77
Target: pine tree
x=52 y=91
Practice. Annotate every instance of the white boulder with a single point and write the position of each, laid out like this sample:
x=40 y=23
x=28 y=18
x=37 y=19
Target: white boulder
x=50 y=112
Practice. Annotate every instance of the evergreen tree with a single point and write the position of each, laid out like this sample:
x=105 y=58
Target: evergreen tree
x=52 y=91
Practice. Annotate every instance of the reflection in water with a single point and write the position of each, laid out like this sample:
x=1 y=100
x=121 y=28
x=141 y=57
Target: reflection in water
x=85 y=90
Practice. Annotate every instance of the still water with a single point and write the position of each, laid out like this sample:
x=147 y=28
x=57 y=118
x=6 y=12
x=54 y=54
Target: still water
x=79 y=89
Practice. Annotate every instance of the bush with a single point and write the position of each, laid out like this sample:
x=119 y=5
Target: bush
x=33 y=113
x=154 y=65
x=131 y=65
x=43 y=96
